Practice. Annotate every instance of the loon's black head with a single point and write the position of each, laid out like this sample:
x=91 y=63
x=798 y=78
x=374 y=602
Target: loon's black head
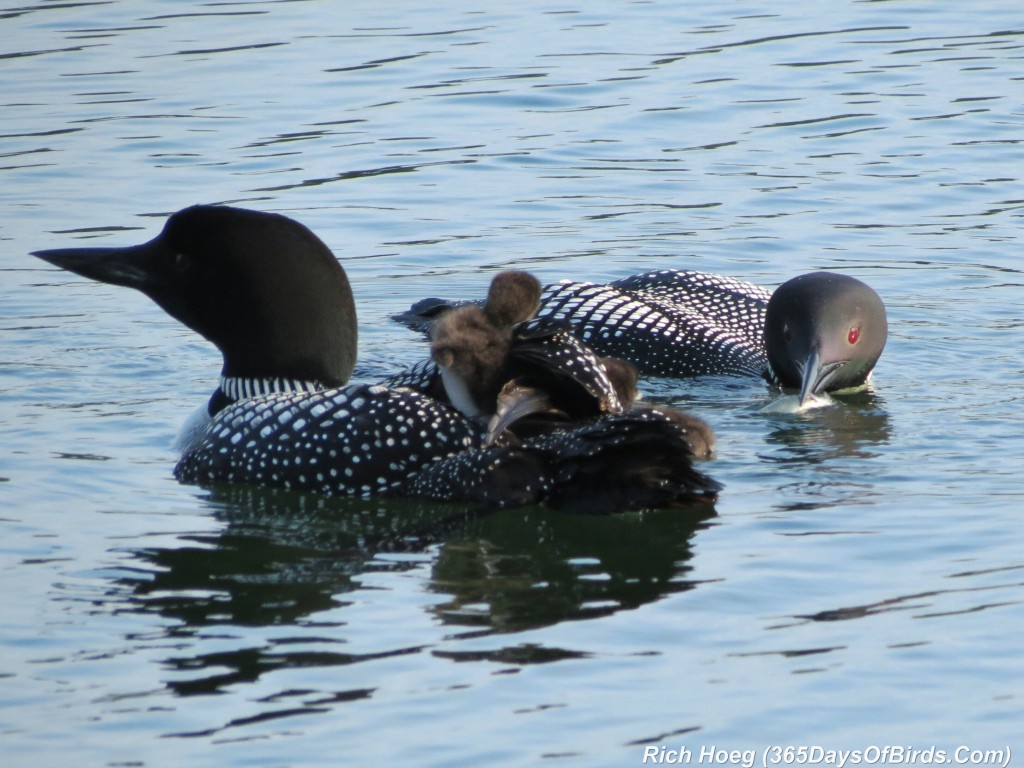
x=260 y=286
x=823 y=332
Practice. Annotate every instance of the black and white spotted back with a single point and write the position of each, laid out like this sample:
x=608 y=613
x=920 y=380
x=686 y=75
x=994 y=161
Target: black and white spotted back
x=354 y=441
x=423 y=377
x=668 y=322
x=727 y=302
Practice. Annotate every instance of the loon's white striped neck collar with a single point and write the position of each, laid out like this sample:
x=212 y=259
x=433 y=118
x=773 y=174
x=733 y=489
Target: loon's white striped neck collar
x=238 y=388
x=235 y=388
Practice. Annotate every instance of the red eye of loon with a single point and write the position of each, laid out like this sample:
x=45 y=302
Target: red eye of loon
x=853 y=335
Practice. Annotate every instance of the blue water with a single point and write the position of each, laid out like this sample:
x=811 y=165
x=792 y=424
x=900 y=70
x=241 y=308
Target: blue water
x=861 y=582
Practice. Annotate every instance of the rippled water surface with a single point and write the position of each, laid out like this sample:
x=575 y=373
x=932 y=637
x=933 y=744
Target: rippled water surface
x=860 y=581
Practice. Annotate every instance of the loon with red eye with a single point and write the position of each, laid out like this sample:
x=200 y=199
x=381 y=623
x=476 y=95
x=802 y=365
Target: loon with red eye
x=816 y=333
x=823 y=332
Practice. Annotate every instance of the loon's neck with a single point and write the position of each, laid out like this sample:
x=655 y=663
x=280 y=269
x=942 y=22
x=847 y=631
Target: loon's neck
x=235 y=388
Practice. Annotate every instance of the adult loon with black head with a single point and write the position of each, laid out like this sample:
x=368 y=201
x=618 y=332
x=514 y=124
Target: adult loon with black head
x=277 y=304
x=818 y=332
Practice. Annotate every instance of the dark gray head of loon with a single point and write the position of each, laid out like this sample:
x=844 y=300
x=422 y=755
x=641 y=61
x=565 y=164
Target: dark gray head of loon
x=260 y=286
x=824 y=331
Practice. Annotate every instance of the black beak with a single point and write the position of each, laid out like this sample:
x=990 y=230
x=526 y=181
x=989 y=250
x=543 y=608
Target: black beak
x=133 y=267
x=815 y=375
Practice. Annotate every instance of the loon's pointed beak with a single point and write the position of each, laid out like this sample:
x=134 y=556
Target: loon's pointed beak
x=132 y=267
x=816 y=374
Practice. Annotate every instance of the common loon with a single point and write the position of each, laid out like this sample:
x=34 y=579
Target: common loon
x=277 y=304
x=818 y=332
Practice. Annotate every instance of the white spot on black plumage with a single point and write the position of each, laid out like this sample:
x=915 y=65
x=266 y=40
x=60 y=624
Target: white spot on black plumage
x=669 y=322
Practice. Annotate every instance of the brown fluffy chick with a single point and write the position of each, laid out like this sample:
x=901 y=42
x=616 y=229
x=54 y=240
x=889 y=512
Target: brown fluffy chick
x=697 y=432
x=471 y=345
x=513 y=297
x=472 y=354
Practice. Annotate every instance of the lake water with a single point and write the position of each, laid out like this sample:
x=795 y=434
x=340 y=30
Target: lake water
x=862 y=581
